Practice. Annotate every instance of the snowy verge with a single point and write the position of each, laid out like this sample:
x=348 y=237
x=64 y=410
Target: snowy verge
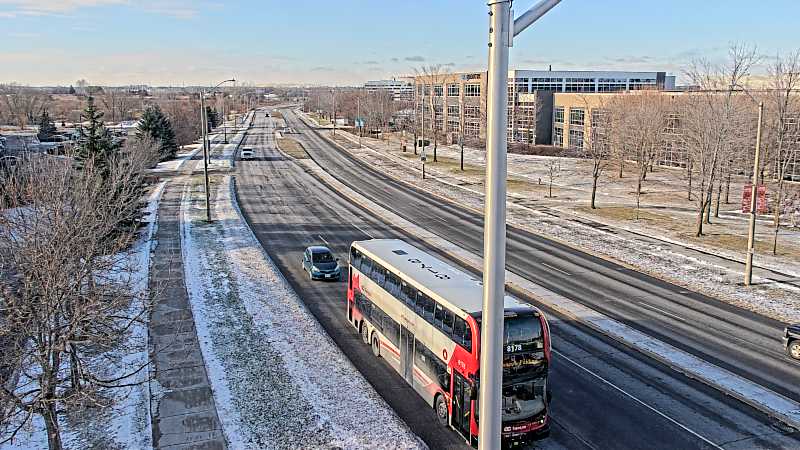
x=278 y=379
x=128 y=423
x=755 y=395
x=177 y=163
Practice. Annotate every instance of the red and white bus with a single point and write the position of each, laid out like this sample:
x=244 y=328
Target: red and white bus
x=423 y=317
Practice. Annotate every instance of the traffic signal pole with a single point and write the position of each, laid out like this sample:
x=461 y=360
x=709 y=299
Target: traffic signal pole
x=502 y=29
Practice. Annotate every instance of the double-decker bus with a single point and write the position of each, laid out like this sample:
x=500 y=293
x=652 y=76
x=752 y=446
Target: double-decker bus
x=423 y=317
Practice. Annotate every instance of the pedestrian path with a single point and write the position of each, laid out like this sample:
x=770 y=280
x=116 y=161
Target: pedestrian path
x=184 y=412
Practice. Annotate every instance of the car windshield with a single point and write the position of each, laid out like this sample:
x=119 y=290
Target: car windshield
x=322 y=257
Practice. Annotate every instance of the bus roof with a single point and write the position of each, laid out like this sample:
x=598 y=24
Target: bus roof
x=461 y=290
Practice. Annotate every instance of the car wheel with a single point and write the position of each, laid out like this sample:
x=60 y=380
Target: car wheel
x=794 y=349
x=364 y=333
x=441 y=410
x=376 y=346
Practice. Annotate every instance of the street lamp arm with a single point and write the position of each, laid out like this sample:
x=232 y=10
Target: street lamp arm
x=533 y=14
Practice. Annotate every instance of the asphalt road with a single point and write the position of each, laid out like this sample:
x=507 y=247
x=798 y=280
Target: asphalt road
x=604 y=395
x=743 y=342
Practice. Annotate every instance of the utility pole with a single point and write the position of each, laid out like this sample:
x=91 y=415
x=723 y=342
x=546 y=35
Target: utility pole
x=502 y=29
x=333 y=95
x=751 y=235
x=206 y=144
x=358 y=119
x=204 y=128
x=461 y=128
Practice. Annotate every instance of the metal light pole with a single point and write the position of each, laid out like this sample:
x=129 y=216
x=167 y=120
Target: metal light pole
x=333 y=95
x=502 y=30
x=207 y=145
x=751 y=236
x=358 y=119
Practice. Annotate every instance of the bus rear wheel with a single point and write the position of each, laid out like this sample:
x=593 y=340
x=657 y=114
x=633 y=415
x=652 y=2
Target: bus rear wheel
x=376 y=347
x=441 y=410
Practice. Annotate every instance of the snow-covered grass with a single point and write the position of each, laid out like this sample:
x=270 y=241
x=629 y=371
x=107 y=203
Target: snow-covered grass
x=180 y=159
x=775 y=300
x=279 y=381
x=127 y=423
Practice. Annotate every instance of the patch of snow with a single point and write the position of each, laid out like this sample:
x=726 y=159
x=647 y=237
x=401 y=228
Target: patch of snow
x=278 y=378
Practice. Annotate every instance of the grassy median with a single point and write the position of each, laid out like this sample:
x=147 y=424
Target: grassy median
x=292 y=148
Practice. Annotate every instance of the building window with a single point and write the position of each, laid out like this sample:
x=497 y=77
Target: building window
x=473 y=112
x=558 y=114
x=472 y=129
x=576 y=116
x=472 y=90
x=452 y=124
x=453 y=90
x=558 y=137
x=576 y=139
x=453 y=110
x=438 y=90
x=579 y=85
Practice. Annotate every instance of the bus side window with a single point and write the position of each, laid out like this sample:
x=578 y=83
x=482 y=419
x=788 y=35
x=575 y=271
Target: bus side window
x=419 y=306
x=355 y=258
x=366 y=266
x=378 y=274
x=393 y=284
x=409 y=294
x=459 y=331
x=447 y=323
x=428 y=306
x=438 y=316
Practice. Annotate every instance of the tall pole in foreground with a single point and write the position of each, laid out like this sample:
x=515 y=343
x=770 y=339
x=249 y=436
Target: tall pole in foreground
x=501 y=32
x=751 y=236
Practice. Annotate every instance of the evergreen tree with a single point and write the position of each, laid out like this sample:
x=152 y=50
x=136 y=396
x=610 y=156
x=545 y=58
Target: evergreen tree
x=155 y=124
x=95 y=143
x=213 y=117
x=46 y=127
x=71 y=90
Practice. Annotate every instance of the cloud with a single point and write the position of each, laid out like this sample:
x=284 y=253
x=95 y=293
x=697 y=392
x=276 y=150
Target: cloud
x=371 y=63
x=23 y=35
x=395 y=59
x=415 y=58
x=450 y=64
x=182 y=9
x=322 y=69
x=50 y=7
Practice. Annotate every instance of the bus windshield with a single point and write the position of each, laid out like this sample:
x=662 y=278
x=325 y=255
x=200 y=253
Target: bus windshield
x=524 y=368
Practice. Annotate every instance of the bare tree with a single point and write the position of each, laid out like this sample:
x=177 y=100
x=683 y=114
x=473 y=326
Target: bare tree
x=713 y=119
x=553 y=172
x=639 y=120
x=24 y=103
x=598 y=145
x=72 y=298
x=435 y=76
x=783 y=125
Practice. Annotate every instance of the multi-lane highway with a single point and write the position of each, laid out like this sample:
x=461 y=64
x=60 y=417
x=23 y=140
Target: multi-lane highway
x=605 y=395
x=743 y=342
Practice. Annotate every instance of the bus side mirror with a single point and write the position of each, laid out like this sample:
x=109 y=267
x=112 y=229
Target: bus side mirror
x=473 y=392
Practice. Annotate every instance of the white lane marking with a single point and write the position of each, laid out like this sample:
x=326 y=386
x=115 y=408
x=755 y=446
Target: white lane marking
x=637 y=400
x=556 y=269
x=361 y=230
x=323 y=240
x=674 y=316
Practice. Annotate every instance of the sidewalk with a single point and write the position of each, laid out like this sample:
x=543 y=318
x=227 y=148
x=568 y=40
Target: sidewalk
x=185 y=414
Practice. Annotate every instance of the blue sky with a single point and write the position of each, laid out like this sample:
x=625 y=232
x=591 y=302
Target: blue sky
x=47 y=42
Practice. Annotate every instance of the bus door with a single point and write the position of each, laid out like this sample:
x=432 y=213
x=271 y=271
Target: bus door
x=407 y=354
x=461 y=404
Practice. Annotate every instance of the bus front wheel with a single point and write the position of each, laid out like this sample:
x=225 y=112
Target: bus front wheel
x=441 y=410
x=364 y=333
